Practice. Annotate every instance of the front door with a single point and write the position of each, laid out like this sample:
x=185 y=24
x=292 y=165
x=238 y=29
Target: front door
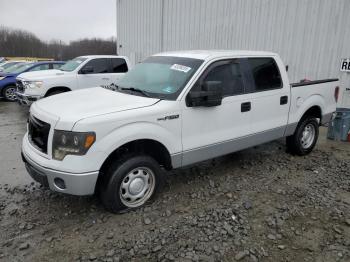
x=119 y=68
x=99 y=76
x=208 y=132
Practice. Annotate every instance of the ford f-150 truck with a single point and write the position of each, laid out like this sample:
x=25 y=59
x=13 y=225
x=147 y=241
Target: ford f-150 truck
x=172 y=110
x=81 y=72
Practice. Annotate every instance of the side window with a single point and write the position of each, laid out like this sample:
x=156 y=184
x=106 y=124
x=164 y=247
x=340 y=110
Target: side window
x=228 y=75
x=119 y=65
x=56 y=66
x=99 y=65
x=40 y=67
x=265 y=73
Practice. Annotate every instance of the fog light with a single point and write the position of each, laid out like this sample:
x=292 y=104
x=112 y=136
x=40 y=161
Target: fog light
x=59 y=182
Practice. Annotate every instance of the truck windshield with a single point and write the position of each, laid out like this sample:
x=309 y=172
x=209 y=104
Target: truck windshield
x=161 y=77
x=72 y=64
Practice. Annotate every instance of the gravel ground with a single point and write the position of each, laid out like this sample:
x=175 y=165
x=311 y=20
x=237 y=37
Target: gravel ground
x=260 y=204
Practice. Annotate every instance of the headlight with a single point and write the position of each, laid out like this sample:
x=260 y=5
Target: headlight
x=71 y=143
x=32 y=84
x=2 y=77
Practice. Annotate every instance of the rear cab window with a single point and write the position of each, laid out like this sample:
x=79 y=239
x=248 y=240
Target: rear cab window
x=265 y=73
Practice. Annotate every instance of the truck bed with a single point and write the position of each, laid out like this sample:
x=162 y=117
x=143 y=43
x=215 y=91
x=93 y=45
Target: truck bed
x=318 y=92
x=315 y=82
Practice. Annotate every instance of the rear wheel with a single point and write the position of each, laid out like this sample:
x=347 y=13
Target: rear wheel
x=129 y=183
x=304 y=139
x=9 y=93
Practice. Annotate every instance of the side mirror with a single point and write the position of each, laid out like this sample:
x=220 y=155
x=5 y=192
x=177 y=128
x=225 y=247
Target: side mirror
x=211 y=95
x=87 y=70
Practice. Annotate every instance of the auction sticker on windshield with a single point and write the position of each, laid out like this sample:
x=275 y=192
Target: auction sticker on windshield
x=181 y=68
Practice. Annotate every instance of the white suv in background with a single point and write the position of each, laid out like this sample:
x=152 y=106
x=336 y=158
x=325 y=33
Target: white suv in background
x=81 y=72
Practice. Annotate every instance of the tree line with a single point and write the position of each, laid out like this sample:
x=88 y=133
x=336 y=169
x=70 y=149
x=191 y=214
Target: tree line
x=21 y=43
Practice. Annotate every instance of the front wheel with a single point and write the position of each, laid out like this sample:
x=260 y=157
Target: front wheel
x=304 y=139
x=129 y=183
x=9 y=93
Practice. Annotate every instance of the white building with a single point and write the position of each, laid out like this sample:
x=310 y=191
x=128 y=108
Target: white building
x=312 y=36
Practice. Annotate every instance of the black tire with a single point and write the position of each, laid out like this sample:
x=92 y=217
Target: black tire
x=295 y=143
x=9 y=93
x=55 y=93
x=110 y=189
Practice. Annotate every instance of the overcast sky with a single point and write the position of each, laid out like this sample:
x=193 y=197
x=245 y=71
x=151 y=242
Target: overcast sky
x=61 y=19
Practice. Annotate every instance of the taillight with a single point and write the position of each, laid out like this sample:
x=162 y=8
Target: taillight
x=336 y=93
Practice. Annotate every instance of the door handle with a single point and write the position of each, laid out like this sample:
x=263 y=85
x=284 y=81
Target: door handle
x=284 y=100
x=347 y=89
x=105 y=78
x=245 y=107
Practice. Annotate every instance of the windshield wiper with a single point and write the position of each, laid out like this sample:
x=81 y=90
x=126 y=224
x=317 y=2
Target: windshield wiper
x=136 y=90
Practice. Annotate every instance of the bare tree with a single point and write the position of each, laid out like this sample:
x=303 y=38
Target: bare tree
x=20 y=43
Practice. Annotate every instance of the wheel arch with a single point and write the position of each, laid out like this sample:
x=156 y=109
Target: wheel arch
x=311 y=105
x=312 y=108
x=6 y=85
x=313 y=111
x=150 y=147
x=3 y=88
x=57 y=88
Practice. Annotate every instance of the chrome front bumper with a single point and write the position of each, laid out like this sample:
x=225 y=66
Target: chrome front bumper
x=24 y=99
x=74 y=184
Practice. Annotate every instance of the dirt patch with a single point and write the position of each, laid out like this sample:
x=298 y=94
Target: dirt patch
x=260 y=204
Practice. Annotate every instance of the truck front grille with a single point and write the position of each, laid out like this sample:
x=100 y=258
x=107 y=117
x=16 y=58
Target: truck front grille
x=20 y=86
x=38 y=133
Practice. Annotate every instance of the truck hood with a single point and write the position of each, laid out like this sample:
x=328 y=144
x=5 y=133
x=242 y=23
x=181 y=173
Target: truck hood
x=39 y=75
x=73 y=106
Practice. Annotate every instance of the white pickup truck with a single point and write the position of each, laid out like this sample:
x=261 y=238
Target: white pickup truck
x=81 y=72
x=172 y=110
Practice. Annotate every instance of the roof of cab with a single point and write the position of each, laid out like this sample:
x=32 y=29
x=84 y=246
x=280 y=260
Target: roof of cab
x=48 y=62
x=99 y=56
x=209 y=54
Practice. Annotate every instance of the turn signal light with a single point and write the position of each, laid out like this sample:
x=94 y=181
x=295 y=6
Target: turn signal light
x=90 y=139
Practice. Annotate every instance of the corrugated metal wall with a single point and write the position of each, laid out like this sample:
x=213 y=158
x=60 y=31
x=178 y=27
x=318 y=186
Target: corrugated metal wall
x=310 y=35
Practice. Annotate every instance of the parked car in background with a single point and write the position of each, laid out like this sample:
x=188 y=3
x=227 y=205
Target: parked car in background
x=9 y=64
x=81 y=72
x=8 y=77
x=172 y=110
x=14 y=67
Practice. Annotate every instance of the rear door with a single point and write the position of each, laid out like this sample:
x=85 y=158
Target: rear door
x=119 y=68
x=100 y=76
x=270 y=100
